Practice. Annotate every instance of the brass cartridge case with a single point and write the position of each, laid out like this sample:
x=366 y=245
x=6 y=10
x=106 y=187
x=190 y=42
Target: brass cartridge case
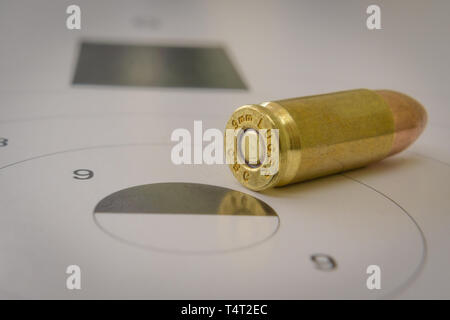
x=325 y=134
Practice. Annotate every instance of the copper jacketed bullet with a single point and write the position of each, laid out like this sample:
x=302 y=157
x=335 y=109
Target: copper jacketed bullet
x=323 y=134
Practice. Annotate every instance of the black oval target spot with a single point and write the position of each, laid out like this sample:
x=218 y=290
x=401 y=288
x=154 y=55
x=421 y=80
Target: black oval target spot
x=186 y=217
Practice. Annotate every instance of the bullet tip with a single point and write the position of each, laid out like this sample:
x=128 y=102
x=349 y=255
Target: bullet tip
x=410 y=118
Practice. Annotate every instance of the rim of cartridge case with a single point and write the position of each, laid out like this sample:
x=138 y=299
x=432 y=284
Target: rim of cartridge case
x=275 y=117
x=261 y=118
x=289 y=141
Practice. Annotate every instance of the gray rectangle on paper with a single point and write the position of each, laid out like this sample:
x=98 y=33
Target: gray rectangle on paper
x=156 y=66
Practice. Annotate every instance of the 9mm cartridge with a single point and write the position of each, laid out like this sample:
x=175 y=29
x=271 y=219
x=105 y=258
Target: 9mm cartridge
x=320 y=135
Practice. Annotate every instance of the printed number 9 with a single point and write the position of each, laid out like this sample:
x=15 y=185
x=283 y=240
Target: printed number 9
x=324 y=262
x=83 y=174
x=3 y=142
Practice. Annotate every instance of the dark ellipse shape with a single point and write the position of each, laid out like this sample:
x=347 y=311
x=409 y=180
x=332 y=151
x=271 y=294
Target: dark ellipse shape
x=183 y=198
